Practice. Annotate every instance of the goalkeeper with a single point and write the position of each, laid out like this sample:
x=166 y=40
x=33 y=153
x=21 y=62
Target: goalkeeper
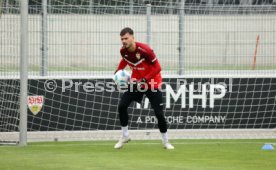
x=145 y=74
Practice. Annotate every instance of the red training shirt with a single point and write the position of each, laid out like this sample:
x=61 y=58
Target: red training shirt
x=143 y=64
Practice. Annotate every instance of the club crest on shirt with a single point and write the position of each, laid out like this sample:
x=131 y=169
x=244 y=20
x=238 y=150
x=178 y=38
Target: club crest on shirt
x=138 y=56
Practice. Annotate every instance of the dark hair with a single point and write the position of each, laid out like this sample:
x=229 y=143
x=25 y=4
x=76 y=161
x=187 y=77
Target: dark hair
x=126 y=30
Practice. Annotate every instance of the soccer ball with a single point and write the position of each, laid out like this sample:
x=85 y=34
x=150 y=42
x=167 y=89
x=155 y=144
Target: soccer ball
x=121 y=77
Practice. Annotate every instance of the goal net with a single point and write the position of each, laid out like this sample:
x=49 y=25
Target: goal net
x=224 y=54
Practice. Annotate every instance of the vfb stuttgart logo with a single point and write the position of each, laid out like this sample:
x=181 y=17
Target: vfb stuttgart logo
x=35 y=103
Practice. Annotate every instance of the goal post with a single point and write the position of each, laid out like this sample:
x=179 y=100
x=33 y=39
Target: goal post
x=24 y=45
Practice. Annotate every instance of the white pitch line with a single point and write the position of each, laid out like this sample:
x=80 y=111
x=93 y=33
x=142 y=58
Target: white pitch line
x=61 y=143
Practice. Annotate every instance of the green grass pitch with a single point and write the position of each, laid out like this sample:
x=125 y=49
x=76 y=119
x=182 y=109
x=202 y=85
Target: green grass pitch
x=140 y=155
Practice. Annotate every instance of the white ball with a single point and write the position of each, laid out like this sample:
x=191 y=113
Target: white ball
x=122 y=77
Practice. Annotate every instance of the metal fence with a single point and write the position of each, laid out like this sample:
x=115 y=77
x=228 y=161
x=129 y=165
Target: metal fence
x=191 y=8
x=73 y=40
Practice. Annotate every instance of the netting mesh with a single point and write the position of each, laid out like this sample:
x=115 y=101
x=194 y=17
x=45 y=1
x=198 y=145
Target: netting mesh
x=78 y=40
